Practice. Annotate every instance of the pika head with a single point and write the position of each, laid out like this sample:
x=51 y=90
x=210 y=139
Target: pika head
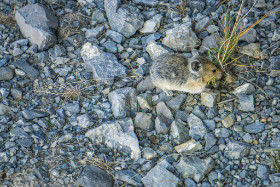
x=205 y=68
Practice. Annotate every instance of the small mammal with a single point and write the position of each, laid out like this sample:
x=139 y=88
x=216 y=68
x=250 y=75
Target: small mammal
x=173 y=71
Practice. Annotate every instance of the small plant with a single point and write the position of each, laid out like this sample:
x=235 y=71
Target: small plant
x=233 y=29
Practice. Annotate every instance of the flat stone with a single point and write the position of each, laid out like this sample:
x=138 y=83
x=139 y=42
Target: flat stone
x=145 y=85
x=28 y=69
x=6 y=73
x=276 y=35
x=255 y=128
x=210 y=141
x=145 y=101
x=38 y=24
x=275 y=178
x=181 y=38
x=162 y=124
x=25 y=142
x=209 y=42
x=152 y=25
x=237 y=150
x=148 y=153
x=95 y=32
x=4 y=109
x=98 y=16
x=252 y=50
x=197 y=129
x=250 y=36
x=246 y=102
x=262 y=172
x=194 y=167
x=162 y=109
x=247 y=89
x=155 y=49
x=130 y=177
x=118 y=135
x=274 y=63
x=228 y=121
x=104 y=66
x=151 y=3
x=144 y=121
x=202 y=24
x=19 y=133
x=190 y=182
x=209 y=98
x=188 y=147
x=176 y=102
x=42 y=173
x=84 y=121
x=199 y=113
x=123 y=102
x=123 y=18
x=94 y=176
x=115 y=36
x=32 y=114
x=222 y=132
x=160 y=177
x=179 y=132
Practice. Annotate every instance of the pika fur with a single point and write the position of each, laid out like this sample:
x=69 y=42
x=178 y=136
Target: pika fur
x=173 y=71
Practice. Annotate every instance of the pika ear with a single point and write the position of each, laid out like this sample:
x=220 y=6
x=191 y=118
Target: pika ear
x=195 y=66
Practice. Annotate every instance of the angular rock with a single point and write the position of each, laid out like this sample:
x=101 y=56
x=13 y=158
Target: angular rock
x=6 y=73
x=118 y=135
x=32 y=114
x=199 y=113
x=28 y=69
x=162 y=124
x=152 y=25
x=148 y=153
x=246 y=102
x=207 y=43
x=19 y=133
x=38 y=24
x=95 y=32
x=190 y=182
x=115 y=36
x=123 y=102
x=262 y=172
x=98 y=16
x=176 y=102
x=252 y=50
x=144 y=121
x=84 y=121
x=275 y=178
x=94 y=176
x=4 y=109
x=145 y=85
x=125 y=19
x=179 y=132
x=188 y=147
x=228 y=121
x=274 y=63
x=197 y=129
x=202 y=24
x=276 y=35
x=247 y=89
x=144 y=102
x=209 y=98
x=181 y=38
x=42 y=173
x=222 y=133
x=162 y=109
x=255 y=128
x=151 y=3
x=130 y=177
x=104 y=66
x=194 y=167
x=210 y=141
x=160 y=177
x=155 y=49
x=25 y=142
x=237 y=150
x=250 y=36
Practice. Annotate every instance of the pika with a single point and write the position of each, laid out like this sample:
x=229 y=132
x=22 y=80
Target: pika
x=173 y=71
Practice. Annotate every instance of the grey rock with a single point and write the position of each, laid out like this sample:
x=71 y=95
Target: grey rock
x=222 y=133
x=125 y=19
x=148 y=153
x=94 y=176
x=274 y=63
x=71 y=108
x=42 y=173
x=198 y=5
x=190 y=182
x=25 y=142
x=16 y=93
x=152 y=25
x=115 y=36
x=199 y=113
x=17 y=51
x=145 y=85
x=276 y=35
x=162 y=124
x=21 y=42
x=104 y=66
x=197 y=129
x=179 y=132
x=166 y=147
x=76 y=40
x=160 y=177
x=32 y=114
x=98 y=16
x=247 y=138
x=255 y=128
x=275 y=142
x=246 y=102
x=147 y=2
x=188 y=147
x=202 y=24
x=194 y=167
x=275 y=178
x=262 y=172
x=123 y=102
x=251 y=50
x=84 y=121
x=118 y=135
x=144 y=121
x=6 y=73
x=130 y=177
x=210 y=141
x=228 y=121
x=95 y=32
x=155 y=49
x=237 y=150
x=111 y=47
x=209 y=98
x=181 y=38
x=3 y=62
x=181 y=115
x=145 y=101
x=212 y=112
x=210 y=124
x=176 y=102
x=250 y=36
x=59 y=50
x=65 y=138
x=38 y=24
x=247 y=89
x=162 y=109
x=4 y=109
x=207 y=43
x=19 y=133
x=28 y=69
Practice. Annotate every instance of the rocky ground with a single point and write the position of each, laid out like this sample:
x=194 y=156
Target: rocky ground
x=77 y=106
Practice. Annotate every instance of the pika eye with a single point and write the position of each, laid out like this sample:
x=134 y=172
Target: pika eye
x=214 y=71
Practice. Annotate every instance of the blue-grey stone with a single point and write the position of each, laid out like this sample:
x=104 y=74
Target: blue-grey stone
x=246 y=102
x=6 y=73
x=262 y=172
x=25 y=142
x=129 y=176
x=210 y=141
x=28 y=69
x=190 y=182
x=111 y=47
x=3 y=62
x=236 y=149
x=19 y=133
x=255 y=128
